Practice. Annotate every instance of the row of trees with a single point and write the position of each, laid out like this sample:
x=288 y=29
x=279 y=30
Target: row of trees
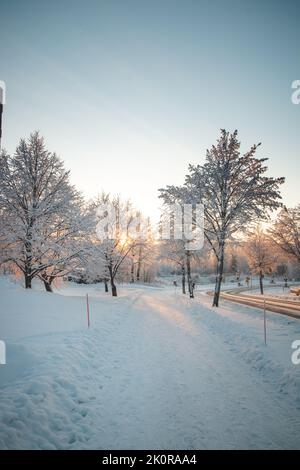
x=48 y=231
x=276 y=245
x=256 y=254
x=121 y=249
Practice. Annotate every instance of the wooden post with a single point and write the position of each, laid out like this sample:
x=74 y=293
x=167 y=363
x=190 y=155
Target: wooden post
x=265 y=323
x=88 y=310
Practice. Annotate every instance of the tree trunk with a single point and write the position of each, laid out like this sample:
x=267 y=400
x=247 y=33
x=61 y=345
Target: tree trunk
x=28 y=269
x=47 y=280
x=47 y=285
x=188 y=269
x=183 y=279
x=219 y=276
x=261 y=285
x=105 y=285
x=28 y=257
x=138 y=271
x=113 y=289
x=112 y=283
x=28 y=280
x=132 y=272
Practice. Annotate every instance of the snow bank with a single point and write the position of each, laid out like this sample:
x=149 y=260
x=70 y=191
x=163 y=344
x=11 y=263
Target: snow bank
x=241 y=327
x=155 y=370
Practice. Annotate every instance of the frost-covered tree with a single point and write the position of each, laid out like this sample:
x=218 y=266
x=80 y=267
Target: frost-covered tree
x=94 y=266
x=142 y=255
x=234 y=189
x=285 y=232
x=261 y=258
x=118 y=237
x=41 y=212
x=233 y=263
x=66 y=243
x=177 y=224
x=174 y=251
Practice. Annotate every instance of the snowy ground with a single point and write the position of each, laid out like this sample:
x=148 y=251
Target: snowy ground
x=155 y=370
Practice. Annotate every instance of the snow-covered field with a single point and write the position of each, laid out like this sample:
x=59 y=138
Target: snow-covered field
x=155 y=370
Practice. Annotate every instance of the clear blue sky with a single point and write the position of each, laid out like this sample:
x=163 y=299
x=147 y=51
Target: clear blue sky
x=129 y=92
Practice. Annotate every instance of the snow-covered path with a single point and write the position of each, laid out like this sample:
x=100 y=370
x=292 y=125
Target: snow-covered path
x=155 y=370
